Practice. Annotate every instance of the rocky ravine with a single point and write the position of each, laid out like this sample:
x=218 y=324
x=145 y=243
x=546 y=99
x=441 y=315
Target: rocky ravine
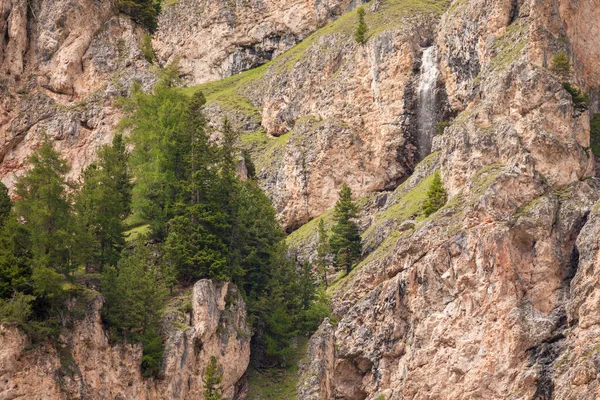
x=88 y=366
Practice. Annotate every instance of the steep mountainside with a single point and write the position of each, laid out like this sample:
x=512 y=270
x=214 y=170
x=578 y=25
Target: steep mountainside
x=494 y=296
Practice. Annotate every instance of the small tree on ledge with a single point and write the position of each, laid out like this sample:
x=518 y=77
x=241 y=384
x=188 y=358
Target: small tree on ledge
x=360 y=35
x=436 y=196
x=345 y=237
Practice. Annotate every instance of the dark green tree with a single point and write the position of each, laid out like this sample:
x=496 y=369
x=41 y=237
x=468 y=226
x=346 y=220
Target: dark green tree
x=103 y=203
x=436 y=196
x=46 y=211
x=213 y=376
x=323 y=252
x=15 y=258
x=345 y=239
x=5 y=203
x=360 y=34
x=135 y=296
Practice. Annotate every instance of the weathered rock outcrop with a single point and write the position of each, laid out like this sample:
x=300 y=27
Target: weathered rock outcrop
x=217 y=39
x=87 y=365
x=62 y=65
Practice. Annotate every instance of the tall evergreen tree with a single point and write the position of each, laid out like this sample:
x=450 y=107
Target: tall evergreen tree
x=345 y=239
x=135 y=296
x=103 y=203
x=436 y=196
x=5 y=203
x=162 y=147
x=323 y=251
x=46 y=211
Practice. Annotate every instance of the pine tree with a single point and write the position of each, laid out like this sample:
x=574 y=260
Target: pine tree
x=103 y=203
x=323 y=251
x=436 y=196
x=46 y=210
x=307 y=285
x=5 y=203
x=135 y=296
x=212 y=380
x=360 y=34
x=15 y=258
x=345 y=239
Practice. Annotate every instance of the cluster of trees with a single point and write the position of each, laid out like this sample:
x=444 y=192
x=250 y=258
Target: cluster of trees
x=54 y=229
x=204 y=222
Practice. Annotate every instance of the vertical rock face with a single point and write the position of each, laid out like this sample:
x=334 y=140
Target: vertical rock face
x=88 y=366
x=217 y=39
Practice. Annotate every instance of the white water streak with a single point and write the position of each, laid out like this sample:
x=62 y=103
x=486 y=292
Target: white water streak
x=426 y=112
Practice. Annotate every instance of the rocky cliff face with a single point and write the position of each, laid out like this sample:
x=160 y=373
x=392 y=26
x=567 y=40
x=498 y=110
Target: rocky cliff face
x=482 y=299
x=87 y=365
x=492 y=297
x=62 y=65
x=214 y=40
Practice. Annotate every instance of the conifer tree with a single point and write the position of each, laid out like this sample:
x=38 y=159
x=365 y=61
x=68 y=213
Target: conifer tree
x=5 y=203
x=345 y=239
x=561 y=65
x=46 y=210
x=212 y=380
x=436 y=196
x=323 y=251
x=103 y=203
x=360 y=34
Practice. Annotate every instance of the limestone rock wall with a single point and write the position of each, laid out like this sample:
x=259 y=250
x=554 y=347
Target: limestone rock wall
x=492 y=296
x=86 y=365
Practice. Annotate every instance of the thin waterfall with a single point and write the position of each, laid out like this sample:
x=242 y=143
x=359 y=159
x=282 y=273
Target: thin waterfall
x=427 y=109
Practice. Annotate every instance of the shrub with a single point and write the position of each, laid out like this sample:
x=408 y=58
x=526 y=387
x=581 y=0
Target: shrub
x=143 y=12
x=436 y=196
x=581 y=101
x=561 y=65
x=147 y=49
x=360 y=35
x=441 y=126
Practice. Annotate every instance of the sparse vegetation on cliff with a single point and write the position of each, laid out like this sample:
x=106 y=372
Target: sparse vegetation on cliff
x=345 y=241
x=143 y=12
x=360 y=34
x=436 y=196
x=561 y=65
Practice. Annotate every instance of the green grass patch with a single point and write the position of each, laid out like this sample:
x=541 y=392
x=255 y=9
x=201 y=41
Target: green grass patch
x=408 y=206
x=137 y=232
x=227 y=92
x=276 y=383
